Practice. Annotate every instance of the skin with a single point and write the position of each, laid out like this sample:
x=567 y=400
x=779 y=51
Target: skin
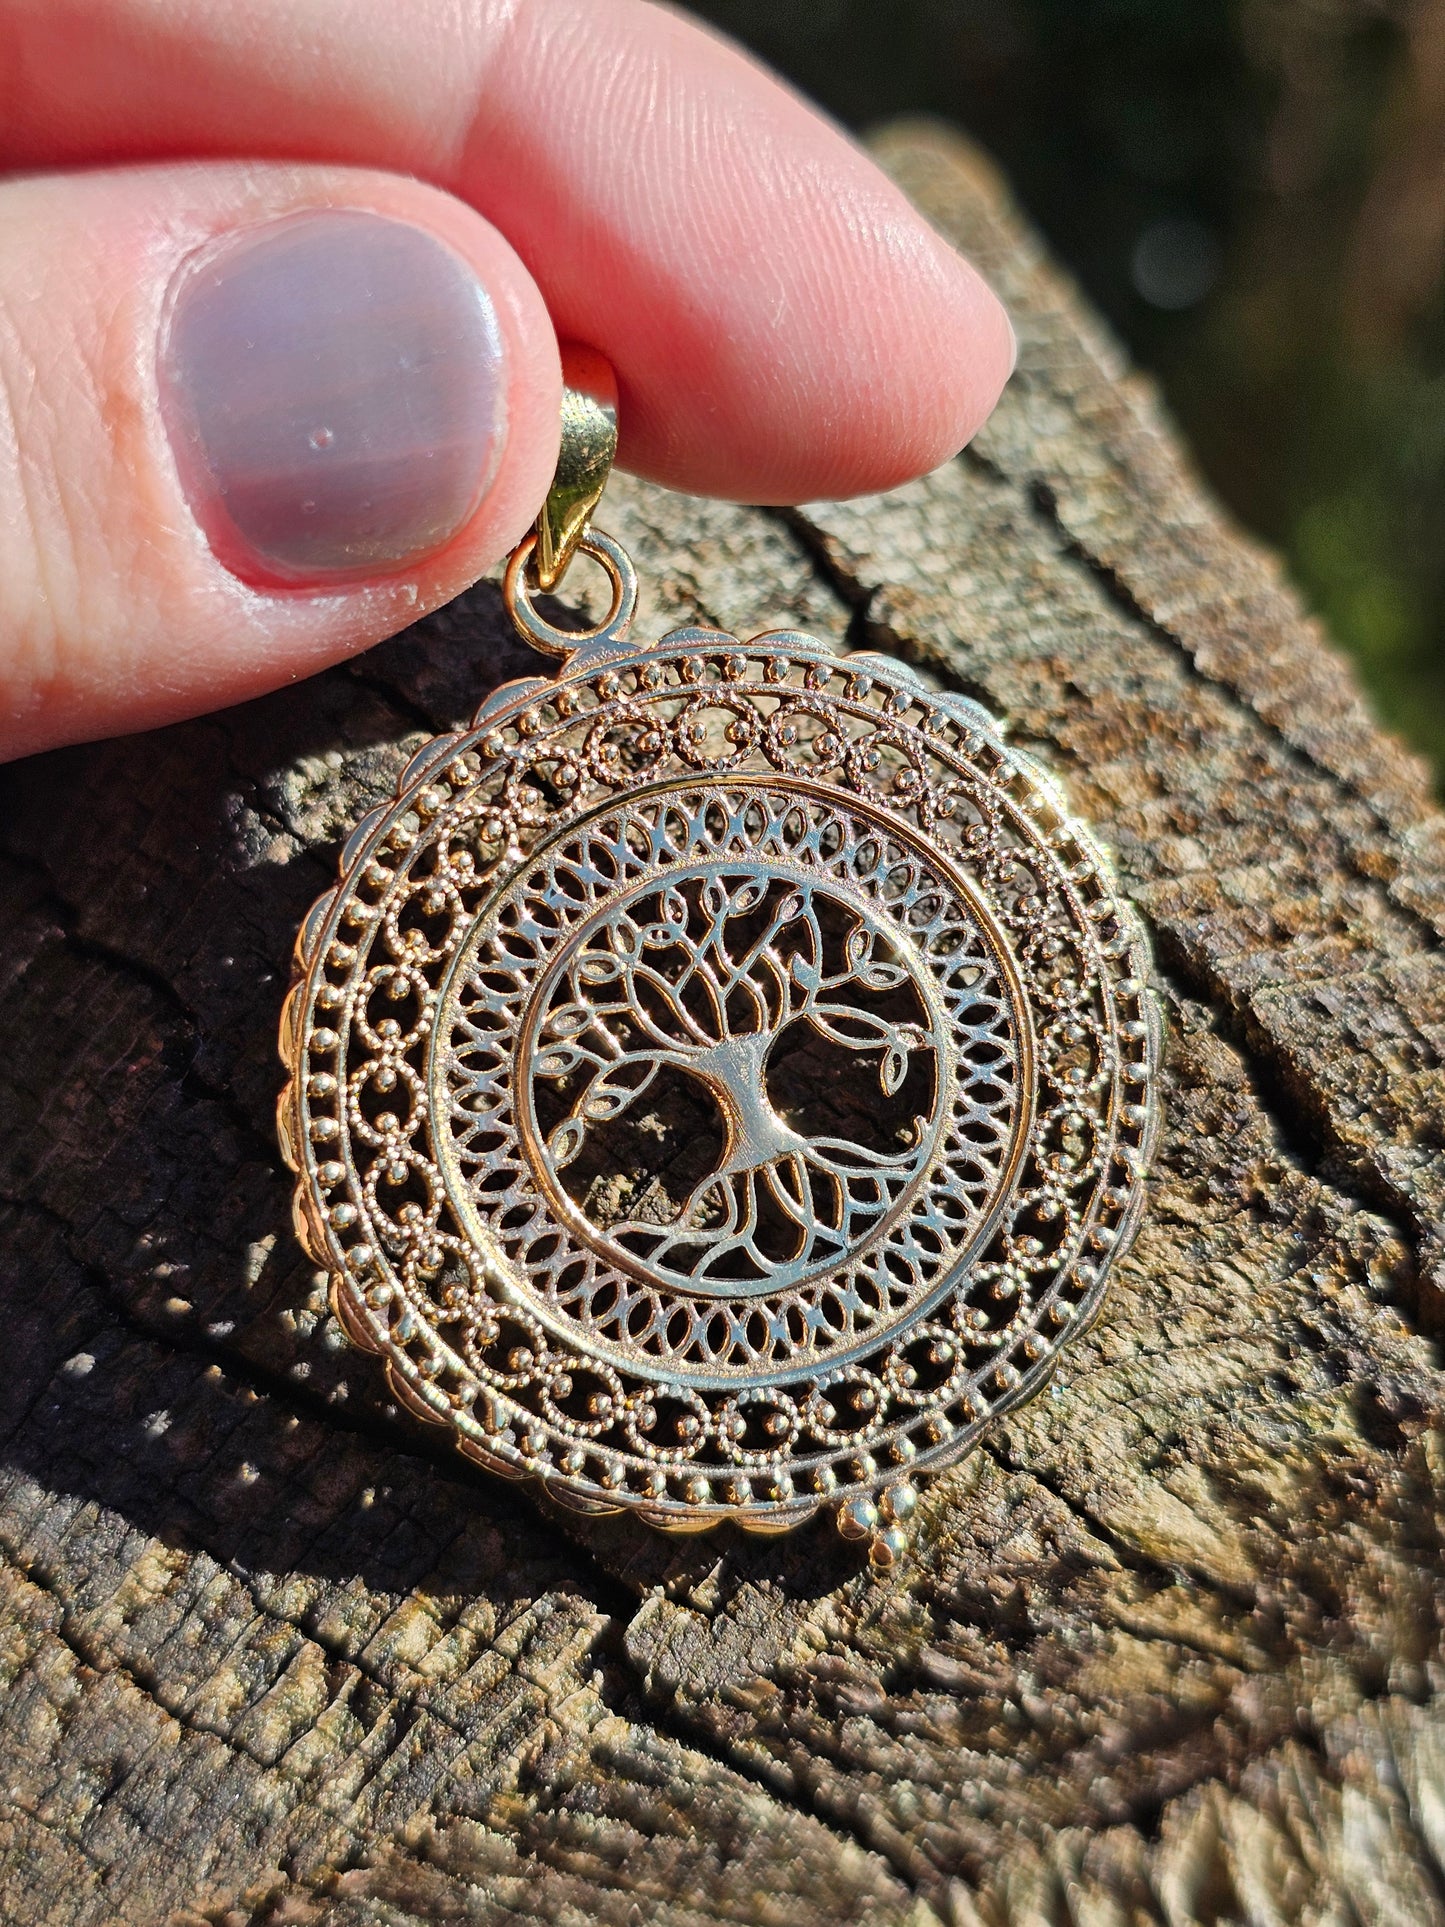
x=784 y=326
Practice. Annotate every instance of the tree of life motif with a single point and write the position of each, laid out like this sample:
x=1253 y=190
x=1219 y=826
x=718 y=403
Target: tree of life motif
x=704 y=975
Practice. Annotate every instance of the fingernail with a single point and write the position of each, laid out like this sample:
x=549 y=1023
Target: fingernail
x=332 y=386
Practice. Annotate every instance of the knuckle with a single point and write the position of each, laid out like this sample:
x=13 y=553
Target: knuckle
x=58 y=485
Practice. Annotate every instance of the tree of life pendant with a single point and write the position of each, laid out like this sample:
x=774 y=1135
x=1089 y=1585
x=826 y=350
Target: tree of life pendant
x=722 y=1078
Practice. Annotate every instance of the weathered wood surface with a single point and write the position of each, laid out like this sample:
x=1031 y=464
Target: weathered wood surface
x=1170 y=1649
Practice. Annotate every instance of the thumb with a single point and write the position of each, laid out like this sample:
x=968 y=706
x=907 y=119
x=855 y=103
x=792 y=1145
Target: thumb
x=252 y=419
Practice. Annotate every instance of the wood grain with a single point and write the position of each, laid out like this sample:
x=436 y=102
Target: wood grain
x=1169 y=1651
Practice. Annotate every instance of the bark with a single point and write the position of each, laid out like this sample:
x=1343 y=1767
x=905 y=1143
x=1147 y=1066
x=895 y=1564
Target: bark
x=1169 y=1647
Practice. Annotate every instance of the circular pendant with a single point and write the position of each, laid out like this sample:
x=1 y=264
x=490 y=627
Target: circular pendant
x=721 y=1082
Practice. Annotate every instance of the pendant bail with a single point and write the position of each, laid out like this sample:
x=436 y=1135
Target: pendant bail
x=589 y=445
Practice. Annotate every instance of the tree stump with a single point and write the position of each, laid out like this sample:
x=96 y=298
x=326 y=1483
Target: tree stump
x=1168 y=1650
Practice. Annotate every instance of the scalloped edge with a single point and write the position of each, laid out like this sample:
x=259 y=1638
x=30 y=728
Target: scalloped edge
x=772 y=1519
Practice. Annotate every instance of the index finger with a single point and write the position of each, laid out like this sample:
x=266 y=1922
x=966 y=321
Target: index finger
x=783 y=324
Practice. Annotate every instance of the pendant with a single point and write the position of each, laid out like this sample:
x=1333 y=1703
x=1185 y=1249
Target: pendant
x=723 y=1077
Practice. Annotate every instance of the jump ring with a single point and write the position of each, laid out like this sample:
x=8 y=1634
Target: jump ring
x=543 y=635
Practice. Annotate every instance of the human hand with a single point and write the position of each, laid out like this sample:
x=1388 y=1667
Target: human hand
x=258 y=413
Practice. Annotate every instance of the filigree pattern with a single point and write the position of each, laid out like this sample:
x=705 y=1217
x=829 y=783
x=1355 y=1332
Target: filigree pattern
x=608 y=924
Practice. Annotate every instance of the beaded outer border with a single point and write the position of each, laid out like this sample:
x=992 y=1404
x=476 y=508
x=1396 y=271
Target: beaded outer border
x=459 y=1348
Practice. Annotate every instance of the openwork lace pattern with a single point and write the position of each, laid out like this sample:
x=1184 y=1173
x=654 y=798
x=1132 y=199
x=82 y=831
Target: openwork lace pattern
x=721 y=1079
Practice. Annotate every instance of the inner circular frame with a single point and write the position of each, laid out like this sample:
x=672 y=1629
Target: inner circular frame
x=669 y=1368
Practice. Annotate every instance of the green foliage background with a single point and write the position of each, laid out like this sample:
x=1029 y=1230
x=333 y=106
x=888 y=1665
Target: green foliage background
x=1298 y=148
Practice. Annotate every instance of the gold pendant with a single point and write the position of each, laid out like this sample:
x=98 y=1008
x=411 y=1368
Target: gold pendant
x=724 y=1076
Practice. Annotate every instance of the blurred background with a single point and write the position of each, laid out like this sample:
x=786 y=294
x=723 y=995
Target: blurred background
x=1253 y=192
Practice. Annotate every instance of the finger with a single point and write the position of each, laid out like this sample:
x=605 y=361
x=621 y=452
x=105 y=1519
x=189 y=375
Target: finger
x=784 y=325
x=251 y=419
